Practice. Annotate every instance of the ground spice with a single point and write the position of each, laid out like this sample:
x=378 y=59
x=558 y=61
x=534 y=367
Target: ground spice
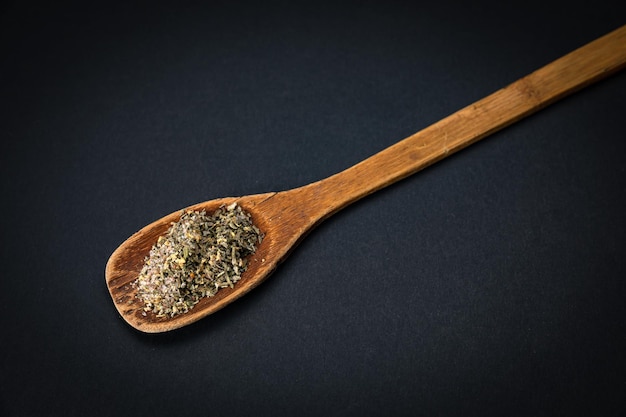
x=199 y=255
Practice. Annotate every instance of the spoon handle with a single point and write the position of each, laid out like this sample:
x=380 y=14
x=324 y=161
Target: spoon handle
x=552 y=82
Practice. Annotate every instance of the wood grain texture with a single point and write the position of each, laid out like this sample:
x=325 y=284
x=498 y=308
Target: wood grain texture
x=287 y=216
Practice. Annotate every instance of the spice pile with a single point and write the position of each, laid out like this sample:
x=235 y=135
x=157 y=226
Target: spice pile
x=199 y=255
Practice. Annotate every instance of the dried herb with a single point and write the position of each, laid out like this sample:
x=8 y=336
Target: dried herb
x=199 y=255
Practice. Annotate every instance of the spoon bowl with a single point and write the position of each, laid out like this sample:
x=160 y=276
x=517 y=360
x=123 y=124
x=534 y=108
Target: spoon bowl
x=286 y=217
x=125 y=263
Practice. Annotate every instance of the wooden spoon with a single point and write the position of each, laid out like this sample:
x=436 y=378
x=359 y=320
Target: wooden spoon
x=285 y=217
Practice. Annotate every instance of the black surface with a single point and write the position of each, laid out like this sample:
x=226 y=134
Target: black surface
x=489 y=284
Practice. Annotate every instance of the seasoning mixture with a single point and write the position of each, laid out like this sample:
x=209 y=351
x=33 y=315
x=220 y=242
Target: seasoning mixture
x=199 y=255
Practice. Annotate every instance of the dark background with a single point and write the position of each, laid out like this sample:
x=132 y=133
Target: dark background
x=489 y=284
